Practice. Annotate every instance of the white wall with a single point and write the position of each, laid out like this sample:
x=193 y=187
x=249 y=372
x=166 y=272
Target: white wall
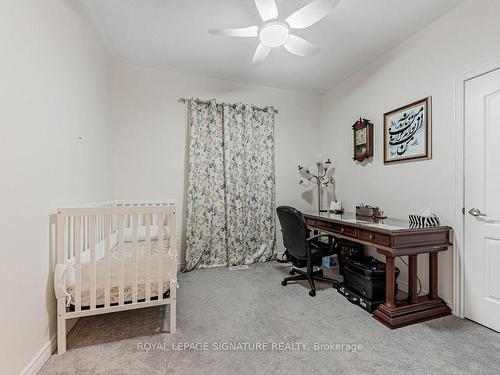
x=427 y=64
x=53 y=89
x=149 y=130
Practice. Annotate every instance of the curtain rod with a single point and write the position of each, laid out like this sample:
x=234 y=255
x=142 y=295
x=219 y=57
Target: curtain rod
x=185 y=100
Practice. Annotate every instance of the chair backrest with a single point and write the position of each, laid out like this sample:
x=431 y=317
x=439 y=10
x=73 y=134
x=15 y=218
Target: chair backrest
x=294 y=229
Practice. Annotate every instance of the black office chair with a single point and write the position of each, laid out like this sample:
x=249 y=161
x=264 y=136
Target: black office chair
x=300 y=245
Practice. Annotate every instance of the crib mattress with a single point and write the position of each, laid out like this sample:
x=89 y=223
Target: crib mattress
x=169 y=274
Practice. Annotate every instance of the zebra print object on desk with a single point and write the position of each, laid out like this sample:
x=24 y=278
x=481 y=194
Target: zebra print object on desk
x=418 y=221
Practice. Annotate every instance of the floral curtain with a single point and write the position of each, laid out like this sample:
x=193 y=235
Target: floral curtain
x=249 y=172
x=231 y=185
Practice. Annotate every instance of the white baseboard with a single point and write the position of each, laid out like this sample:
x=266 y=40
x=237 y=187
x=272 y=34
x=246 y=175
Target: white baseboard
x=43 y=355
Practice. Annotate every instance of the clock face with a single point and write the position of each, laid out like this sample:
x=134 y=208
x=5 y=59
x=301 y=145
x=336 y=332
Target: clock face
x=360 y=137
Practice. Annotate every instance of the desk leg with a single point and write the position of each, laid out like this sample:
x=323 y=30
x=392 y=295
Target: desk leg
x=389 y=282
x=412 y=279
x=414 y=309
x=433 y=275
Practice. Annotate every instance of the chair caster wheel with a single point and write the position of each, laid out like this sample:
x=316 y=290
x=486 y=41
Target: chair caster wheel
x=312 y=292
x=283 y=283
x=291 y=272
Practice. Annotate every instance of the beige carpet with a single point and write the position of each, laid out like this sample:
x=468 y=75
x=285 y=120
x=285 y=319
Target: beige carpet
x=220 y=306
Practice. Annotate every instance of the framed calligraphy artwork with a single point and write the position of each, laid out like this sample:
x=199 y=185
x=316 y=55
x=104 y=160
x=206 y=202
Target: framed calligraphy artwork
x=407 y=132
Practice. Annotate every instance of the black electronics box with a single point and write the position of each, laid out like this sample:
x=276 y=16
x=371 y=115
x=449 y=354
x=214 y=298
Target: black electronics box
x=358 y=300
x=347 y=249
x=366 y=277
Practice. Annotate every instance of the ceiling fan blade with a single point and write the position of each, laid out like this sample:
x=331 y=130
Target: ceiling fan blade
x=267 y=9
x=300 y=47
x=244 y=32
x=311 y=13
x=260 y=54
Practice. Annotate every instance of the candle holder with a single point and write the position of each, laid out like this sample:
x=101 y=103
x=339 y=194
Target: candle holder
x=320 y=179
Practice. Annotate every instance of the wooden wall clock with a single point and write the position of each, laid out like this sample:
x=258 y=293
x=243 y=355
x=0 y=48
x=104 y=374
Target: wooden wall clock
x=363 y=139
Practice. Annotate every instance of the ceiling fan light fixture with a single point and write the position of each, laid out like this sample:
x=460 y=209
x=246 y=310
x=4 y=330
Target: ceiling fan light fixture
x=274 y=34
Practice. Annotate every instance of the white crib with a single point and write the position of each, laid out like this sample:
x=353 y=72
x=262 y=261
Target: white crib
x=114 y=256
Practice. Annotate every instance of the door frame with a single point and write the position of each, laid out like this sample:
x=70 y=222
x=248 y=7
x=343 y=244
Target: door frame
x=459 y=229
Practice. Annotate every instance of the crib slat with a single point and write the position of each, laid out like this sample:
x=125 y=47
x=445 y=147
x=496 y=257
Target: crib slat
x=173 y=233
x=160 y=254
x=121 y=250
x=69 y=238
x=86 y=232
x=78 y=264
x=107 y=260
x=134 y=260
x=100 y=234
x=67 y=252
x=93 y=245
x=147 y=224
x=72 y=233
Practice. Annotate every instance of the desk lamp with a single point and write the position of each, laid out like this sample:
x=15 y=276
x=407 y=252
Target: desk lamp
x=319 y=179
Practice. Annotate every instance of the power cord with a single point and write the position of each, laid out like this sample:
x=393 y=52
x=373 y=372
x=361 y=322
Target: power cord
x=418 y=278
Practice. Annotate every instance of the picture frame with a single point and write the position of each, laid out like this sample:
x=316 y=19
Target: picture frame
x=408 y=132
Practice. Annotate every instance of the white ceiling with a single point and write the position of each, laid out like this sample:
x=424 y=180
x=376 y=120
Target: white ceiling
x=173 y=34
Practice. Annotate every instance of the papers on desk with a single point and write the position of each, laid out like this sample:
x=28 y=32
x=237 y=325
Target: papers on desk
x=370 y=224
x=382 y=226
x=354 y=221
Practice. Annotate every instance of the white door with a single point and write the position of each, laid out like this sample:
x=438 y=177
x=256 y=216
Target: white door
x=482 y=199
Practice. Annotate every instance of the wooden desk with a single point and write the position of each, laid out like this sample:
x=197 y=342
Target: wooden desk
x=395 y=238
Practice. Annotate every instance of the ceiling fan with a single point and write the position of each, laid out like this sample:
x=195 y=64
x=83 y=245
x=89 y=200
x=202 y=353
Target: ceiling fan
x=275 y=33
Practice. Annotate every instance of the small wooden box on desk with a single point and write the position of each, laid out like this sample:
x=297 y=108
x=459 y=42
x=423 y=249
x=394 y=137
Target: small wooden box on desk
x=394 y=238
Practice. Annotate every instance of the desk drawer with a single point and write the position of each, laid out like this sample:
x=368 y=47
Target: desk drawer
x=332 y=227
x=378 y=238
x=346 y=231
x=320 y=224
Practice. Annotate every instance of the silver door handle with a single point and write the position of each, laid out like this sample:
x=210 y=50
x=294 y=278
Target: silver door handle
x=476 y=212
